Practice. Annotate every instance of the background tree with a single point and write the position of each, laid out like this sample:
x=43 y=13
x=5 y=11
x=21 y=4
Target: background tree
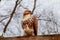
x=47 y=13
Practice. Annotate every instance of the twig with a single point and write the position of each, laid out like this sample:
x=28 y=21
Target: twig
x=22 y=6
x=44 y=19
x=4 y=19
x=4 y=15
x=3 y=23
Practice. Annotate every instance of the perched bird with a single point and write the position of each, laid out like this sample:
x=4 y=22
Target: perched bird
x=29 y=23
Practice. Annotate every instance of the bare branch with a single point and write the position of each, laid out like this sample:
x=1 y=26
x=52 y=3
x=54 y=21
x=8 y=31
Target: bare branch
x=4 y=19
x=44 y=19
x=11 y=16
x=23 y=7
x=4 y=15
x=39 y=16
x=3 y=23
x=34 y=6
x=19 y=2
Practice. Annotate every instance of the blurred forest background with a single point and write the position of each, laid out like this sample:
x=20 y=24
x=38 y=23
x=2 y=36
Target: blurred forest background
x=47 y=12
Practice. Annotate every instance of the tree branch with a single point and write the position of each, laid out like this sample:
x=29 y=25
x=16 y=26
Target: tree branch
x=44 y=19
x=19 y=2
x=34 y=6
x=4 y=19
x=11 y=16
x=4 y=15
x=23 y=7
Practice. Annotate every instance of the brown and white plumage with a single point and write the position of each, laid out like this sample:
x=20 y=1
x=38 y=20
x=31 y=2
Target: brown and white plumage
x=29 y=24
